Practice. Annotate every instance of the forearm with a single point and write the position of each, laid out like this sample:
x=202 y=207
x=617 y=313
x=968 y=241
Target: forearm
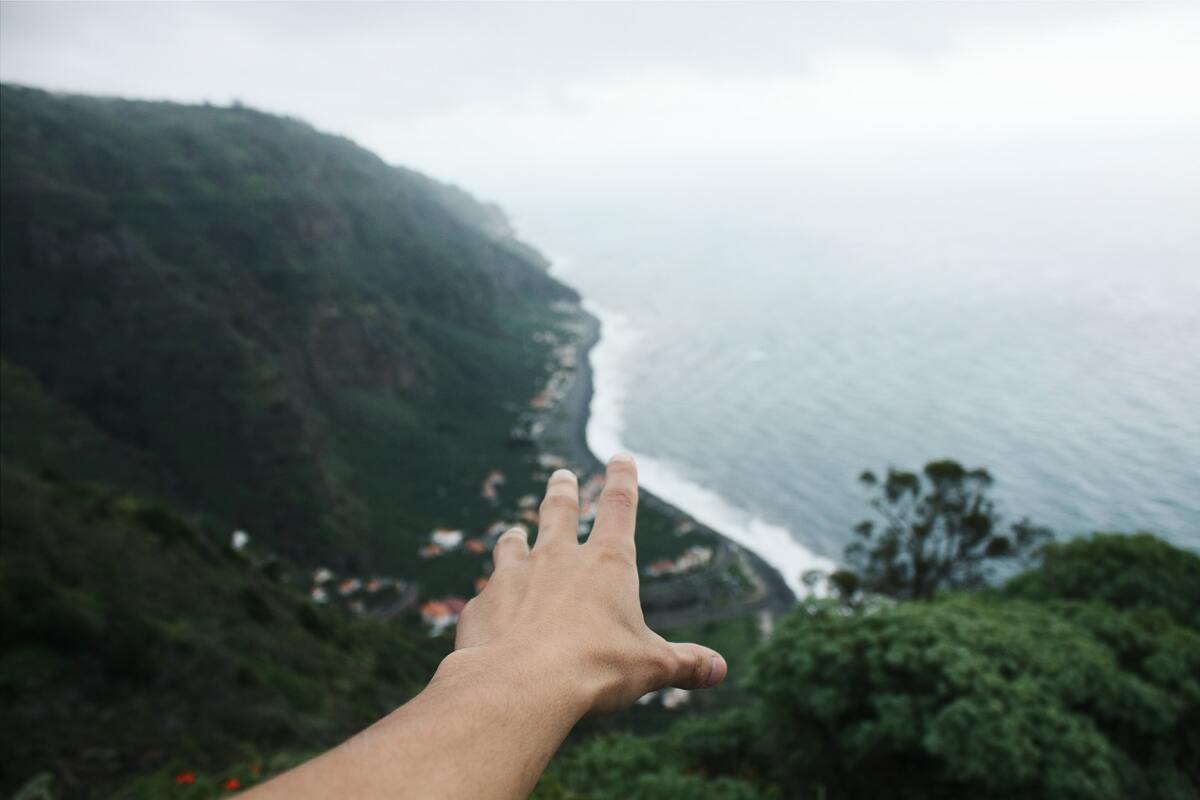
x=484 y=727
x=558 y=633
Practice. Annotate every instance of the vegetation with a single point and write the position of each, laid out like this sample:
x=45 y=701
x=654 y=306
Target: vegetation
x=939 y=530
x=1127 y=572
x=133 y=639
x=214 y=318
x=247 y=317
x=244 y=317
x=1023 y=692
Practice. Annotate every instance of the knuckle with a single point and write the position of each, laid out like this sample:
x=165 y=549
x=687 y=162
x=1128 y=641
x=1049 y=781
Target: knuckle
x=559 y=502
x=662 y=667
x=692 y=664
x=620 y=497
x=547 y=549
x=700 y=667
x=615 y=555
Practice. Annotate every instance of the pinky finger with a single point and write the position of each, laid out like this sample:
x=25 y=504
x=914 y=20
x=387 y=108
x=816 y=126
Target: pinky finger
x=512 y=546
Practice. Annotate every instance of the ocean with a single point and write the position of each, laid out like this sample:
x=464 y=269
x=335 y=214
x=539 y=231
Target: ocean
x=766 y=337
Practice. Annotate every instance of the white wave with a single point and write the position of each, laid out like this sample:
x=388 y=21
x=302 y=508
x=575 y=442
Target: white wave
x=773 y=543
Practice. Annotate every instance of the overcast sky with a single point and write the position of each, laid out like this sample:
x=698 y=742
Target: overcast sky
x=480 y=94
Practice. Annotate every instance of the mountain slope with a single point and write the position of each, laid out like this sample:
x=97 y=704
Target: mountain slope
x=281 y=329
x=132 y=639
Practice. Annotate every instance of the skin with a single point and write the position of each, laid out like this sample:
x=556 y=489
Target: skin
x=558 y=634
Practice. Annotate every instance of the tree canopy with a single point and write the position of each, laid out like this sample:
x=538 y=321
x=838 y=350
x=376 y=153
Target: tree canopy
x=981 y=698
x=1050 y=687
x=1139 y=571
x=939 y=529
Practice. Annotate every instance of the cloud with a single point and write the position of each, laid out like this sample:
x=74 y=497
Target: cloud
x=464 y=89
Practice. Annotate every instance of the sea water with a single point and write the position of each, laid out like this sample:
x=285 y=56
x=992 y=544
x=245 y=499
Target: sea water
x=768 y=337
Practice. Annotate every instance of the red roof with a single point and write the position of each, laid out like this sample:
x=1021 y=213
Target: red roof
x=434 y=610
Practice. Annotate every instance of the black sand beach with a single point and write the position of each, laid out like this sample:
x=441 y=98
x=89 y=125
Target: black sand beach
x=567 y=429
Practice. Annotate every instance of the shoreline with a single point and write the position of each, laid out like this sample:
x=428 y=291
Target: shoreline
x=569 y=430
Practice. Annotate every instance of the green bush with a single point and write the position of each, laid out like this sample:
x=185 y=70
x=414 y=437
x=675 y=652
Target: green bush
x=627 y=767
x=982 y=698
x=1138 y=571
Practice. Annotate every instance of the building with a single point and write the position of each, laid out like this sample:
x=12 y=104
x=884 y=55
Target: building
x=674 y=698
x=693 y=558
x=661 y=567
x=446 y=539
x=437 y=615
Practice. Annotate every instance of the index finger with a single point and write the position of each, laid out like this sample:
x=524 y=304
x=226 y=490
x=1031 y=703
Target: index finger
x=616 y=512
x=558 y=521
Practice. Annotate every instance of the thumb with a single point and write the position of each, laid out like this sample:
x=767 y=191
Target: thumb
x=696 y=667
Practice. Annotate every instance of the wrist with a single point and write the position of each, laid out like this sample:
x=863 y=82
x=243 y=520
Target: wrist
x=522 y=677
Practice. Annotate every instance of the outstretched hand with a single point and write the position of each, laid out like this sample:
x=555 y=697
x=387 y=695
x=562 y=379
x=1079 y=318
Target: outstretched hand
x=557 y=634
x=571 y=611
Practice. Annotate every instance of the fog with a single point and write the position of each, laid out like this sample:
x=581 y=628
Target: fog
x=514 y=100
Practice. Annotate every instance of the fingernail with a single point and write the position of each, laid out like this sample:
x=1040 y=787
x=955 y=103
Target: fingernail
x=563 y=473
x=716 y=671
x=621 y=457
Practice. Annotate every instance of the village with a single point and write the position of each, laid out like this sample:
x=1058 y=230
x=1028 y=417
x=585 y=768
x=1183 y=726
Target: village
x=671 y=581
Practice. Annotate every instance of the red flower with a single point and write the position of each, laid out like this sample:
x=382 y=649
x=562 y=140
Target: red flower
x=185 y=777
x=231 y=785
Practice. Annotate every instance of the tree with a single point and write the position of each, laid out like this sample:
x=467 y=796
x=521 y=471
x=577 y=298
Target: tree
x=936 y=530
x=1078 y=679
x=982 y=697
x=664 y=767
x=1138 y=571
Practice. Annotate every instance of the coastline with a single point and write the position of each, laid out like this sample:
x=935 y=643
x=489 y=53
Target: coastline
x=568 y=429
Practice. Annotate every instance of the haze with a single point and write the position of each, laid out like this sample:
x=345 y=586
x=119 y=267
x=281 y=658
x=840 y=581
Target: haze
x=507 y=98
x=841 y=235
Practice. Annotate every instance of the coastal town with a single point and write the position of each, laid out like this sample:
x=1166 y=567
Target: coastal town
x=688 y=573
x=387 y=596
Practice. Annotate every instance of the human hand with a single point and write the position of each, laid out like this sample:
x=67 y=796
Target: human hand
x=567 y=615
x=558 y=633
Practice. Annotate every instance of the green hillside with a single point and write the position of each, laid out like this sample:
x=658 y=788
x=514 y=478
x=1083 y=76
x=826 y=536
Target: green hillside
x=248 y=317
x=135 y=640
x=210 y=319
x=214 y=319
